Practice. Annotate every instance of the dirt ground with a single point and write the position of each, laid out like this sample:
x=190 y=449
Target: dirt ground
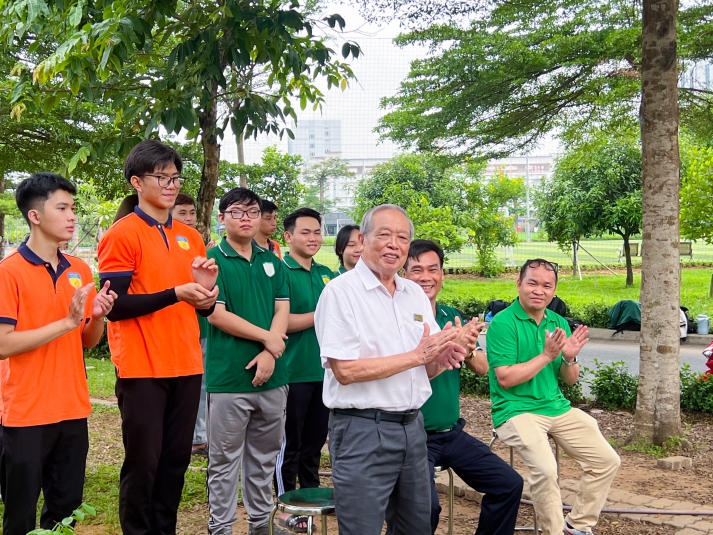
x=638 y=473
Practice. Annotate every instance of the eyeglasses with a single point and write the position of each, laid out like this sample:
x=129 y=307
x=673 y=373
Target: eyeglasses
x=165 y=181
x=537 y=262
x=253 y=213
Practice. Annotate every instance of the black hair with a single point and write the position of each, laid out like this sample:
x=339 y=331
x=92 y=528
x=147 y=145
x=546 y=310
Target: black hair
x=342 y=240
x=537 y=262
x=418 y=247
x=37 y=188
x=291 y=220
x=148 y=156
x=239 y=195
x=268 y=207
x=127 y=206
x=182 y=198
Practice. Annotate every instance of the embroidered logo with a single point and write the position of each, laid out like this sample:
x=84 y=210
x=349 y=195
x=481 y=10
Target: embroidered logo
x=183 y=242
x=325 y=279
x=75 y=279
x=418 y=317
x=269 y=268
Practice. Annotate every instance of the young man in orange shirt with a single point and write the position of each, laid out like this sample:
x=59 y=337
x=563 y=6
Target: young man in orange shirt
x=158 y=268
x=49 y=311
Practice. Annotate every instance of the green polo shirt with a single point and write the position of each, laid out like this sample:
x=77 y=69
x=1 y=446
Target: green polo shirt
x=514 y=337
x=249 y=289
x=442 y=409
x=302 y=354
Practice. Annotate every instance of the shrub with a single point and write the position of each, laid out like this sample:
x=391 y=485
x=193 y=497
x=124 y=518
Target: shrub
x=696 y=391
x=613 y=386
x=474 y=384
x=468 y=306
x=573 y=392
x=592 y=314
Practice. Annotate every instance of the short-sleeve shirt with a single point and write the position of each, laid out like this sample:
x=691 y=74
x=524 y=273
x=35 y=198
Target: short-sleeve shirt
x=514 y=337
x=302 y=352
x=47 y=384
x=156 y=256
x=442 y=409
x=249 y=288
x=357 y=318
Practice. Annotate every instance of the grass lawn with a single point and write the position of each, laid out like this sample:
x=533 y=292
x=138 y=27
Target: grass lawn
x=595 y=287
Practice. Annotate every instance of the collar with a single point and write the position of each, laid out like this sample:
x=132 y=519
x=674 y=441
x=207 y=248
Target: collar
x=151 y=221
x=291 y=263
x=228 y=251
x=369 y=279
x=524 y=316
x=342 y=269
x=29 y=255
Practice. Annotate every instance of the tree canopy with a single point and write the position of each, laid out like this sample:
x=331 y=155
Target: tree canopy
x=499 y=80
x=184 y=66
x=595 y=189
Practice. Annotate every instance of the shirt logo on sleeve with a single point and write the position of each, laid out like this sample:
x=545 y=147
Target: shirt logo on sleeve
x=418 y=317
x=75 y=279
x=269 y=268
x=183 y=243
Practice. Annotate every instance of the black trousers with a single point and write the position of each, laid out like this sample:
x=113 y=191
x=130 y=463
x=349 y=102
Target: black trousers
x=51 y=458
x=306 y=423
x=157 y=419
x=482 y=470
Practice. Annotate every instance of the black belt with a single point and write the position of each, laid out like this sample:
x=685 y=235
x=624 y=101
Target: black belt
x=399 y=417
x=436 y=432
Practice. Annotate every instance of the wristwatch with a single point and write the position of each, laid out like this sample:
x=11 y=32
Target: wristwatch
x=569 y=362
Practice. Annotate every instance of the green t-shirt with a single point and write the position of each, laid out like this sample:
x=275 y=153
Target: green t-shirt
x=249 y=289
x=302 y=354
x=514 y=337
x=442 y=409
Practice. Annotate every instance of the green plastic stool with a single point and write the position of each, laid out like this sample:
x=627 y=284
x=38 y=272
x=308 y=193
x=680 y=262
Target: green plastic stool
x=305 y=502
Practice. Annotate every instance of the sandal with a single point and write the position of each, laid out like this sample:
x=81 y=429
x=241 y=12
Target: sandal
x=295 y=523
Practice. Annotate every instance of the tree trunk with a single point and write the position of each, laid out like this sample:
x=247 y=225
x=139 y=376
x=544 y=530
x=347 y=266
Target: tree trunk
x=211 y=161
x=658 y=413
x=575 y=257
x=3 y=241
x=241 y=159
x=629 y=267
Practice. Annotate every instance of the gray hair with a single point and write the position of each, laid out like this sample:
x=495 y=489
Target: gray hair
x=366 y=220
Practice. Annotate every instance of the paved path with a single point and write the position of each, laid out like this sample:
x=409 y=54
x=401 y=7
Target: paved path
x=617 y=500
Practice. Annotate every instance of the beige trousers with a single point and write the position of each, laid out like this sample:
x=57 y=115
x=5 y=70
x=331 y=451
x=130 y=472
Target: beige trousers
x=579 y=436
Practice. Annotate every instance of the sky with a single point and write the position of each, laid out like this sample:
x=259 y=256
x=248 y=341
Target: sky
x=379 y=71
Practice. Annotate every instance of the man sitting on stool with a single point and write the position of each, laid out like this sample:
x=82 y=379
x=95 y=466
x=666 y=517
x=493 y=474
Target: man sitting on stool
x=448 y=445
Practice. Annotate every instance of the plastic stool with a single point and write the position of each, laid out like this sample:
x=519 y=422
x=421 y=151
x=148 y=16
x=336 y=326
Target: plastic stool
x=451 y=494
x=308 y=502
x=512 y=462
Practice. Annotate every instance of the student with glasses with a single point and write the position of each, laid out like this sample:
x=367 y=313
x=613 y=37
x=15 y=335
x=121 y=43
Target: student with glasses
x=246 y=379
x=529 y=349
x=159 y=270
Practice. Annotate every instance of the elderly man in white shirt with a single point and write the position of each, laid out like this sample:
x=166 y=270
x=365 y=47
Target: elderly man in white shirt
x=379 y=344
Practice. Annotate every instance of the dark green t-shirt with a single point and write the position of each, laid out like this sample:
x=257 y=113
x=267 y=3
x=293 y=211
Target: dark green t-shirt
x=302 y=353
x=249 y=289
x=514 y=337
x=442 y=409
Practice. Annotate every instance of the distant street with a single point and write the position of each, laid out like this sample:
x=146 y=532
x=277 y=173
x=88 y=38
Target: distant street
x=608 y=351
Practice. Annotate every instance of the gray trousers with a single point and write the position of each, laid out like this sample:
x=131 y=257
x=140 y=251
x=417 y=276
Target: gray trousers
x=380 y=471
x=244 y=431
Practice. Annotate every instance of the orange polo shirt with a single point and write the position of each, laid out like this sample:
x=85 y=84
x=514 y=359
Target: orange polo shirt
x=47 y=384
x=157 y=256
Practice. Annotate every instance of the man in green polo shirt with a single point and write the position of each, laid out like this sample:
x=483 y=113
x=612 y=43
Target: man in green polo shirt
x=246 y=379
x=307 y=417
x=448 y=444
x=529 y=349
